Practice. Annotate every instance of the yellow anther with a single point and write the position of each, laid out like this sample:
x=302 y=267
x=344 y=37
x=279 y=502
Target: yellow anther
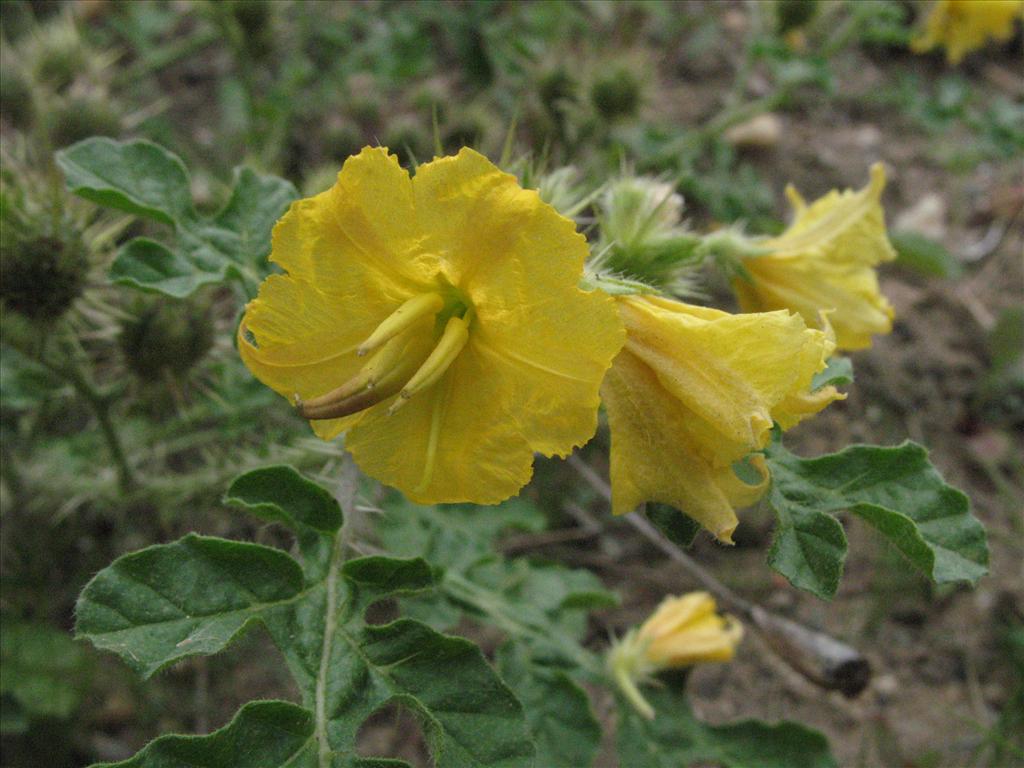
x=401 y=319
x=454 y=338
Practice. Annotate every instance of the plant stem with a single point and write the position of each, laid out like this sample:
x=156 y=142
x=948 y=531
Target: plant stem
x=822 y=659
x=101 y=408
x=347 y=499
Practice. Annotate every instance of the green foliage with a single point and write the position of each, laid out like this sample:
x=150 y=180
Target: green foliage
x=196 y=595
x=676 y=738
x=895 y=490
x=148 y=181
x=42 y=670
x=924 y=255
x=838 y=373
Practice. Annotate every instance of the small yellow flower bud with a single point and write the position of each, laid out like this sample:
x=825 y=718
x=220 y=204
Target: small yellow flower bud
x=684 y=631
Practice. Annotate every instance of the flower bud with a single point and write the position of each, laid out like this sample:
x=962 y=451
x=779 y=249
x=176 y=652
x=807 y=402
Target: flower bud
x=683 y=631
x=166 y=336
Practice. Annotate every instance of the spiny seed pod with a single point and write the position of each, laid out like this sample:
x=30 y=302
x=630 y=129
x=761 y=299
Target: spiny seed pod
x=15 y=96
x=166 y=336
x=616 y=94
x=41 y=275
x=556 y=88
x=79 y=117
x=793 y=14
x=57 y=55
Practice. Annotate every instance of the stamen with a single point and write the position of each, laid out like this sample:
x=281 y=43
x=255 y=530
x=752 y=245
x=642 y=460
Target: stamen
x=402 y=318
x=367 y=377
x=454 y=338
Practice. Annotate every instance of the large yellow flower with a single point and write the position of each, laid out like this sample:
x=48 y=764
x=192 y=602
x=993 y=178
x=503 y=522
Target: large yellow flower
x=826 y=262
x=438 y=320
x=695 y=390
x=965 y=25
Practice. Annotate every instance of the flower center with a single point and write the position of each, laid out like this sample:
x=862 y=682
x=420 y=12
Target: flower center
x=405 y=360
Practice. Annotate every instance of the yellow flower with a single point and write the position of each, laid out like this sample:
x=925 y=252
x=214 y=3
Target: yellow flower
x=965 y=25
x=695 y=390
x=683 y=631
x=438 y=320
x=826 y=262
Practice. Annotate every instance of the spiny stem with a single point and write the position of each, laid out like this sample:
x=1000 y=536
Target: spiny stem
x=347 y=499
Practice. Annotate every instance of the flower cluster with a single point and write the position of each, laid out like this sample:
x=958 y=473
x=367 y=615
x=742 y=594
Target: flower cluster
x=444 y=323
x=962 y=26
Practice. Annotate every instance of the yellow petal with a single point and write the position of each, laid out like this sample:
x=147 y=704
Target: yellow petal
x=825 y=261
x=653 y=457
x=728 y=371
x=688 y=630
x=451 y=443
x=965 y=25
x=519 y=262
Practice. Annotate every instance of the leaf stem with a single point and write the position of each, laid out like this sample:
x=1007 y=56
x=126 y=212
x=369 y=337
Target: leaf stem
x=347 y=499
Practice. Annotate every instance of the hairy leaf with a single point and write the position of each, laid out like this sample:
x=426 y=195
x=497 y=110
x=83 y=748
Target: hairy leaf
x=839 y=372
x=895 y=489
x=562 y=723
x=144 y=179
x=268 y=734
x=675 y=739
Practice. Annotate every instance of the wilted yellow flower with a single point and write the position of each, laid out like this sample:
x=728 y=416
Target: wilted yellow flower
x=438 y=320
x=695 y=390
x=826 y=262
x=962 y=26
x=683 y=631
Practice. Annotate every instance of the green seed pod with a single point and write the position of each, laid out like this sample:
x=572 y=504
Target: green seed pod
x=16 y=105
x=793 y=14
x=166 y=336
x=41 y=275
x=616 y=94
x=79 y=117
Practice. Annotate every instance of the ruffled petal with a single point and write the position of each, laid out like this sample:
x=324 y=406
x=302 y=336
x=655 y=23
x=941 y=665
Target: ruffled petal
x=653 y=456
x=450 y=443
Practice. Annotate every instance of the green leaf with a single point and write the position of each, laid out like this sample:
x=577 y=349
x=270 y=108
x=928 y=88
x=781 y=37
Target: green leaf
x=194 y=596
x=838 y=373
x=543 y=604
x=895 y=489
x=144 y=179
x=263 y=734
x=150 y=266
x=562 y=723
x=676 y=739
x=675 y=525
x=42 y=670
x=256 y=203
x=198 y=594
x=137 y=176
x=924 y=255
x=281 y=495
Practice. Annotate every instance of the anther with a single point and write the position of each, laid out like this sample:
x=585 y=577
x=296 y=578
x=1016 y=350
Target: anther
x=454 y=338
x=404 y=317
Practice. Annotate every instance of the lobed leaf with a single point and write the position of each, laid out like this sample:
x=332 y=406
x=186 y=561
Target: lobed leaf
x=561 y=721
x=895 y=489
x=675 y=738
x=194 y=596
x=144 y=179
x=268 y=734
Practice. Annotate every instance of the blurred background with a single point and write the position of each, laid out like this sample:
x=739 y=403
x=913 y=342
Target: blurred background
x=728 y=101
